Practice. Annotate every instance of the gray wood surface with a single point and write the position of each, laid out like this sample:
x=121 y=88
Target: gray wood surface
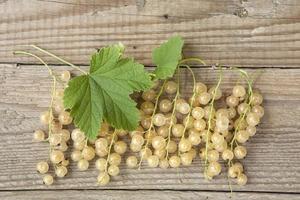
x=231 y=32
x=273 y=163
x=249 y=33
x=137 y=195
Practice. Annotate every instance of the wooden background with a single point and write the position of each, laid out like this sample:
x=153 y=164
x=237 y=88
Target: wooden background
x=255 y=34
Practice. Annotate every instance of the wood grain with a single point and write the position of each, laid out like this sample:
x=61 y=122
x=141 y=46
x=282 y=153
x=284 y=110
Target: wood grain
x=251 y=33
x=140 y=194
x=273 y=163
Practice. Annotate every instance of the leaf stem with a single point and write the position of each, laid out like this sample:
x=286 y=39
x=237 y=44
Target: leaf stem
x=58 y=58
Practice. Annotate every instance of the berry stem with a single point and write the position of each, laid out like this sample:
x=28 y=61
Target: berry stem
x=58 y=58
x=109 y=149
x=242 y=117
x=151 y=123
x=192 y=59
x=173 y=113
x=210 y=119
x=192 y=100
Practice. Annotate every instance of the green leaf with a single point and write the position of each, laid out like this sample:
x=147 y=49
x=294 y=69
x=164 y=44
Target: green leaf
x=167 y=56
x=103 y=94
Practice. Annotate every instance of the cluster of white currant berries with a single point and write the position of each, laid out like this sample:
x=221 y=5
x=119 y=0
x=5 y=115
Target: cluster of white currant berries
x=173 y=131
x=56 y=119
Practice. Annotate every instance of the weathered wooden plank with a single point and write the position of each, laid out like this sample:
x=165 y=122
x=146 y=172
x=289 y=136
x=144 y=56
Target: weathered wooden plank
x=272 y=164
x=251 y=33
x=141 y=194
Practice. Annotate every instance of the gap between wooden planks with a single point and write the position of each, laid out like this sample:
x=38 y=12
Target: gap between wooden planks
x=266 y=35
x=141 y=194
x=272 y=164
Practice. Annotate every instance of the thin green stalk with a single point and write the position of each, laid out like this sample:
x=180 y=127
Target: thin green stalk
x=109 y=149
x=173 y=112
x=210 y=118
x=151 y=123
x=191 y=60
x=192 y=100
x=58 y=58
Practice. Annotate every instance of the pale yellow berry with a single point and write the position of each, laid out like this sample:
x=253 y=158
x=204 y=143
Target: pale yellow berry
x=65 y=134
x=171 y=146
x=65 y=163
x=199 y=124
x=165 y=105
x=76 y=155
x=46 y=117
x=198 y=113
x=184 y=145
x=113 y=170
x=101 y=143
x=256 y=99
x=103 y=178
x=137 y=140
x=240 y=152
x=120 y=147
x=135 y=148
x=158 y=142
x=48 y=179
x=194 y=138
x=65 y=118
x=77 y=135
x=56 y=156
x=251 y=130
x=65 y=76
x=213 y=91
x=88 y=153
x=163 y=131
x=242 y=136
x=114 y=159
x=177 y=130
x=174 y=161
x=145 y=153
x=214 y=169
x=79 y=145
x=204 y=98
x=232 y=101
x=149 y=95
x=161 y=153
x=227 y=155
x=131 y=161
x=170 y=87
x=164 y=163
x=39 y=135
x=259 y=110
x=42 y=167
x=186 y=159
x=153 y=161
x=83 y=165
x=241 y=179
x=147 y=107
x=217 y=138
x=200 y=88
x=252 y=119
x=212 y=155
x=238 y=91
x=61 y=171
x=100 y=164
x=159 y=119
